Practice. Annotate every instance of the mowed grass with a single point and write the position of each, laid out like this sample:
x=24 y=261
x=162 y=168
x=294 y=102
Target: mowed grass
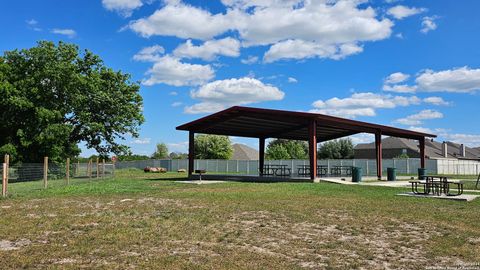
x=146 y=221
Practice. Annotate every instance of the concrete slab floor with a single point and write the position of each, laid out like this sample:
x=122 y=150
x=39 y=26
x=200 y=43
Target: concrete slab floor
x=198 y=182
x=463 y=197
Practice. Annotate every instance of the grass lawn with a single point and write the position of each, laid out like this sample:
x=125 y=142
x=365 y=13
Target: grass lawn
x=139 y=220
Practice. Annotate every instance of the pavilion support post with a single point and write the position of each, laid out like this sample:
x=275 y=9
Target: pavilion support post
x=312 y=148
x=422 y=153
x=378 y=150
x=261 y=155
x=191 y=152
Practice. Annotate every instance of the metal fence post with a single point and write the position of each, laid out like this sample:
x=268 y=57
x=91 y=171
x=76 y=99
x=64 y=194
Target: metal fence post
x=367 y=170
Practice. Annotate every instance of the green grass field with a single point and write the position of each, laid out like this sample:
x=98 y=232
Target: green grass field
x=138 y=220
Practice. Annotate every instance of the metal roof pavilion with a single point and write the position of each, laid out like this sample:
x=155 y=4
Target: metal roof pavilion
x=312 y=127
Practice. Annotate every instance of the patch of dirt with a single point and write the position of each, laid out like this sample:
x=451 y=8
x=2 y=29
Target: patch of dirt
x=328 y=242
x=14 y=245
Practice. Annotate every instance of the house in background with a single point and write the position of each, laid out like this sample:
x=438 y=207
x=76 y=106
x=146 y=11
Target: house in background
x=244 y=152
x=394 y=147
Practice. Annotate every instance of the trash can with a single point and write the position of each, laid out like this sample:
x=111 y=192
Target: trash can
x=356 y=174
x=421 y=173
x=391 y=174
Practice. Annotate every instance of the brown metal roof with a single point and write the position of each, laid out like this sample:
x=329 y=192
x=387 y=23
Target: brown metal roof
x=268 y=123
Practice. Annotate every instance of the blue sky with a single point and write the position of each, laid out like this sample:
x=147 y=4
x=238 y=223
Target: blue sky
x=410 y=64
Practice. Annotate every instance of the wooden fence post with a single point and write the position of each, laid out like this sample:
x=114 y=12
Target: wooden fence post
x=67 y=171
x=7 y=161
x=103 y=168
x=89 y=168
x=98 y=167
x=77 y=169
x=45 y=172
x=4 y=180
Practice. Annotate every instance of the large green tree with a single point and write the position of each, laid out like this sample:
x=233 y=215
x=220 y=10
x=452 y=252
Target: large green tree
x=336 y=149
x=286 y=149
x=161 y=152
x=54 y=96
x=213 y=147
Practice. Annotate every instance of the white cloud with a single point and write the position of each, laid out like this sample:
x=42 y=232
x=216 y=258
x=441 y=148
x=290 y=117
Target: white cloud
x=292 y=80
x=141 y=141
x=399 y=12
x=421 y=129
x=33 y=24
x=176 y=104
x=181 y=147
x=150 y=54
x=458 y=80
x=123 y=7
x=417 y=119
x=396 y=77
x=173 y=93
x=169 y=70
x=300 y=49
x=220 y=94
x=472 y=140
x=362 y=138
x=346 y=113
x=209 y=50
x=66 y=32
x=324 y=28
x=400 y=88
x=428 y=24
x=436 y=101
x=183 y=21
x=392 y=83
x=362 y=104
x=249 y=60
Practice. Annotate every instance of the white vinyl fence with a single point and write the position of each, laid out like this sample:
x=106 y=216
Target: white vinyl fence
x=250 y=167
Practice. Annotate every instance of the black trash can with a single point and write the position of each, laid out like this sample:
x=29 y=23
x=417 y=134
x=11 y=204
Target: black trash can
x=391 y=174
x=356 y=174
x=421 y=173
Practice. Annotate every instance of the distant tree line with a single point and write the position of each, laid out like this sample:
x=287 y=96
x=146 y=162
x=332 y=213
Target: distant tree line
x=220 y=147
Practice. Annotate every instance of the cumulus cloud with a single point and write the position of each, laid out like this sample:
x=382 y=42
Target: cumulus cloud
x=218 y=95
x=249 y=60
x=400 y=88
x=209 y=50
x=436 y=101
x=123 y=7
x=171 y=71
x=301 y=49
x=362 y=104
x=292 y=80
x=33 y=24
x=392 y=83
x=458 y=80
x=177 y=104
x=468 y=139
x=418 y=118
x=150 y=54
x=400 y=12
x=396 y=77
x=70 y=33
x=141 y=141
x=428 y=24
x=323 y=28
